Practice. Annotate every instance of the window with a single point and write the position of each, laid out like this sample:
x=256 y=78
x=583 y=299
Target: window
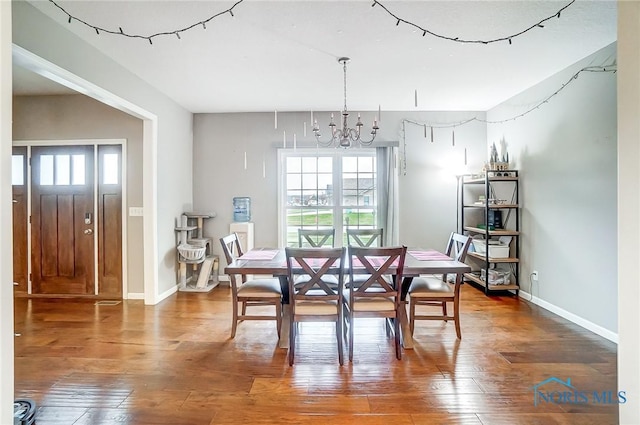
x=17 y=170
x=62 y=170
x=78 y=169
x=325 y=189
x=110 y=170
x=46 y=170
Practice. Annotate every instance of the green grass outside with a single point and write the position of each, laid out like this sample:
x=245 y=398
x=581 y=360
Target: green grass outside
x=322 y=219
x=326 y=219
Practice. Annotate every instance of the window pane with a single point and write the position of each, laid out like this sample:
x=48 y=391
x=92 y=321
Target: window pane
x=325 y=189
x=77 y=162
x=366 y=179
x=294 y=164
x=309 y=181
x=294 y=221
x=63 y=170
x=325 y=218
x=46 y=170
x=110 y=169
x=294 y=217
x=349 y=197
x=349 y=164
x=362 y=218
x=17 y=170
x=325 y=164
x=309 y=164
x=294 y=181
x=366 y=164
x=294 y=198
x=352 y=180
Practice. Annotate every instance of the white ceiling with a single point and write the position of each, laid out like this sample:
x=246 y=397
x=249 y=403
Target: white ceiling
x=282 y=55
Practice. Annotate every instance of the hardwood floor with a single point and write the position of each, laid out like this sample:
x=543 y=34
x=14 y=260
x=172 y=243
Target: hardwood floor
x=174 y=363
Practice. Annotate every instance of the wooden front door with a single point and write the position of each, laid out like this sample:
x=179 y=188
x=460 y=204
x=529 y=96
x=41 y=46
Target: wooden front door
x=62 y=220
x=20 y=219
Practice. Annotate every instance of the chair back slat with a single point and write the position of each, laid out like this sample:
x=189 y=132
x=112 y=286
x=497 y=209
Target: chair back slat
x=316 y=238
x=314 y=264
x=378 y=263
x=365 y=237
x=458 y=246
x=232 y=250
x=231 y=247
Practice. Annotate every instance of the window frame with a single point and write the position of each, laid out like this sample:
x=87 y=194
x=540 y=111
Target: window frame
x=337 y=207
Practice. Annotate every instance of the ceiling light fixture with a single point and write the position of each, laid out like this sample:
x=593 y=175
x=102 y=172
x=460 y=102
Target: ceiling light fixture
x=344 y=137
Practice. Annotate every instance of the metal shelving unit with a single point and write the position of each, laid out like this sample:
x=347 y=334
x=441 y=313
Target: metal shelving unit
x=493 y=184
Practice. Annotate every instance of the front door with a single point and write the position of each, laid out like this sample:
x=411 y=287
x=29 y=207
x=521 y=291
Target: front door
x=62 y=220
x=20 y=219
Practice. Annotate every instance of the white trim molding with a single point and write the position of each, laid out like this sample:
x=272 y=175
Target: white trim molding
x=590 y=326
x=166 y=294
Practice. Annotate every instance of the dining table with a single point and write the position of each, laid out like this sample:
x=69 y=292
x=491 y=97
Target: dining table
x=272 y=262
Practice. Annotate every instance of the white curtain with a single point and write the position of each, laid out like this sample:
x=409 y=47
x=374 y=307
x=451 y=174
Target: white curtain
x=388 y=209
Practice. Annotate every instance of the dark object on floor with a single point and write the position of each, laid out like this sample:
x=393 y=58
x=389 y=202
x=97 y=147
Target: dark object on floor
x=24 y=412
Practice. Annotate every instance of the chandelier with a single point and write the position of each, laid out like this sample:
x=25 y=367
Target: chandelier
x=345 y=136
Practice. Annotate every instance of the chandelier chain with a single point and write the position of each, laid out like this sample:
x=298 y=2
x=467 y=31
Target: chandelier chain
x=344 y=68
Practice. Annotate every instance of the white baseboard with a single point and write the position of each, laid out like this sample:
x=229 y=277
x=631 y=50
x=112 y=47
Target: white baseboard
x=167 y=293
x=597 y=329
x=135 y=296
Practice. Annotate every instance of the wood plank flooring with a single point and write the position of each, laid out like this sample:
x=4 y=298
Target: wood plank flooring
x=87 y=364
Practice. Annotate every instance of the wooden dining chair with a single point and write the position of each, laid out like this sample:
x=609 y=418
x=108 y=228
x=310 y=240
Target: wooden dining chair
x=378 y=295
x=311 y=297
x=316 y=238
x=365 y=237
x=435 y=290
x=250 y=292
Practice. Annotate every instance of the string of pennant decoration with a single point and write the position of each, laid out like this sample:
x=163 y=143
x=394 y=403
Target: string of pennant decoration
x=149 y=37
x=508 y=38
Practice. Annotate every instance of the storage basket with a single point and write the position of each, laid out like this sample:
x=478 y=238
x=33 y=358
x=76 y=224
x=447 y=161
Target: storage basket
x=495 y=250
x=497 y=277
x=191 y=252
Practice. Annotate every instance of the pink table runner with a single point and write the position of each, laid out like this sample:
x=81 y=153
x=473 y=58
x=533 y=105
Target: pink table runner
x=429 y=255
x=260 y=254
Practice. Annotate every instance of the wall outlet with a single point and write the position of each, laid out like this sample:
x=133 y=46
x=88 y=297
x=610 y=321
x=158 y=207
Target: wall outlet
x=534 y=275
x=136 y=211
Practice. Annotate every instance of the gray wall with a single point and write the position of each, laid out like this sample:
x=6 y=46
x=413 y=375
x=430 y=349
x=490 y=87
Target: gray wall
x=53 y=42
x=427 y=191
x=80 y=117
x=566 y=151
